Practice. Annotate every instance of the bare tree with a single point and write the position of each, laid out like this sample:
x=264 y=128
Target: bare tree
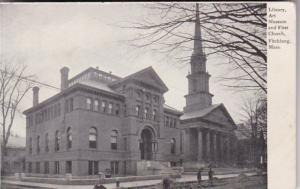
x=234 y=32
x=13 y=87
x=255 y=114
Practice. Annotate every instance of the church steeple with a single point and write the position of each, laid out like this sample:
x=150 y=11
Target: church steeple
x=198 y=80
x=198 y=39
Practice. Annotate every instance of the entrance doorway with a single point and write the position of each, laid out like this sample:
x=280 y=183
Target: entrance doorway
x=146 y=146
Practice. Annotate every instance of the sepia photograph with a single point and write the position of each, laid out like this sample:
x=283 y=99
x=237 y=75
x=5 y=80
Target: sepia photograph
x=164 y=95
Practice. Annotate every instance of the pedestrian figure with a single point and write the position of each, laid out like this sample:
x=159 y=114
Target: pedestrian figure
x=210 y=176
x=199 y=176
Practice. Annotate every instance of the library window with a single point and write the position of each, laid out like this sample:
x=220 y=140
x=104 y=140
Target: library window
x=93 y=137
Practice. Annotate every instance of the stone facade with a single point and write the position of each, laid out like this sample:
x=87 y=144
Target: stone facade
x=101 y=122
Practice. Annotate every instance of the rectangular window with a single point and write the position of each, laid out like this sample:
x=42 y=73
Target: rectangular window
x=46 y=167
x=114 y=167
x=125 y=144
x=93 y=168
x=38 y=144
x=113 y=146
x=56 y=167
x=69 y=167
x=167 y=121
x=30 y=145
x=125 y=170
x=90 y=167
x=96 y=168
x=47 y=143
x=37 y=167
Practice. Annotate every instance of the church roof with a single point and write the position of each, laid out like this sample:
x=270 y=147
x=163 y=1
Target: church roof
x=203 y=113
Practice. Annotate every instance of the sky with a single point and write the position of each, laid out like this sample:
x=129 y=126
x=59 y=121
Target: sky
x=45 y=37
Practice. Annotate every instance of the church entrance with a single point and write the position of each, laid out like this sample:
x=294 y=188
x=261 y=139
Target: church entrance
x=146 y=144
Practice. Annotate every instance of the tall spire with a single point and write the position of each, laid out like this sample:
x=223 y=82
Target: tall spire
x=197 y=39
x=198 y=96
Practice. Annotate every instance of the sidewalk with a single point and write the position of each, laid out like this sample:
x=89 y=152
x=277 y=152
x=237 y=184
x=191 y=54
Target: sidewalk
x=184 y=178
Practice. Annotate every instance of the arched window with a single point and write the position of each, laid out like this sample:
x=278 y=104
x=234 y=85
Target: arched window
x=113 y=140
x=57 y=140
x=148 y=97
x=154 y=114
x=173 y=145
x=93 y=137
x=146 y=111
x=103 y=106
x=137 y=110
x=47 y=142
x=96 y=105
x=138 y=94
x=110 y=108
x=69 y=138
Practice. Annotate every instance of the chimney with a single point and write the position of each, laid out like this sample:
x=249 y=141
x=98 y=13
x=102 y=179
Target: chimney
x=35 y=95
x=64 y=78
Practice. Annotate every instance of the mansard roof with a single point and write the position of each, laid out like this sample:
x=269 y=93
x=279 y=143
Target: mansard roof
x=147 y=76
x=205 y=114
